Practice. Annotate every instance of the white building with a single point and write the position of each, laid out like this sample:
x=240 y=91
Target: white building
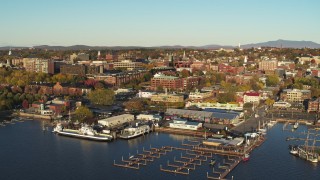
x=281 y=104
x=184 y=124
x=251 y=97
x=148 y=117
x=197 y=95
x=145 y=94
x=116 y=120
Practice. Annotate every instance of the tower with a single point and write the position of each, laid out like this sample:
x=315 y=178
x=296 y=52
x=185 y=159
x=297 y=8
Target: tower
x=99 y=55
x=9 y=52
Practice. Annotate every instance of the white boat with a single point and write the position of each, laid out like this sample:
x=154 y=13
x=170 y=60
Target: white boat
x=131 y=132
x=296 y=125
x=85 y=132
x=294 y=151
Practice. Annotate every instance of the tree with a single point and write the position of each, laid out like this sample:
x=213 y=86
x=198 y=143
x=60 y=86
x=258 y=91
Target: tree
x=272 y=80
x=83 y=114
x=25 y=104
x=185 y=73
x=269 y=102
x=135 y=104
x=102 y=97
x=226 y=97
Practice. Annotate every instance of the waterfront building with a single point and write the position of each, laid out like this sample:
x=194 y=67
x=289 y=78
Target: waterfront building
x=215 y=105
x=184 y=124
x=149 y=117
x=214 y=116
x=116 y=120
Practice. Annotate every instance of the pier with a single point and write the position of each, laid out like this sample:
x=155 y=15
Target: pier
x=192 y=154
x=226 y=168
x=135 y=161
x=183 y=132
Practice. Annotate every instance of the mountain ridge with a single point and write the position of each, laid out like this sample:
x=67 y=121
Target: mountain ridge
x=276 y=43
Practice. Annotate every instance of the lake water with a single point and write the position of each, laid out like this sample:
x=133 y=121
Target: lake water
x=27 y=152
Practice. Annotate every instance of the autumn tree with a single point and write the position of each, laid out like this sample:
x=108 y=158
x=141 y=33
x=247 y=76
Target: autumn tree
x=185 y=73
x=102 y=96
x=135 y=104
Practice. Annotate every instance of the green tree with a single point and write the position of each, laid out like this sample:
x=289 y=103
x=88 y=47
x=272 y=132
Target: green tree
x=83 y=114
x=269 y=102
x=102 y=97
x=272 y=80
x=226 y=97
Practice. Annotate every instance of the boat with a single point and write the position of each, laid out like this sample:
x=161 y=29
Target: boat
x=131 y=132
x=85 y=132
x=246 y=157
x=212 y=162
x=296 y=125
x=294 y=150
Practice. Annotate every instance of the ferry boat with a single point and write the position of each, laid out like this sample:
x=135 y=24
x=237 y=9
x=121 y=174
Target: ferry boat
x=85 y=132
x=246 y=157
x=131 y=132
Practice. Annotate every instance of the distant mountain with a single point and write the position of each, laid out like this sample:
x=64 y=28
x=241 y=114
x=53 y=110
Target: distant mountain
x=283 y=43
x=278 y=43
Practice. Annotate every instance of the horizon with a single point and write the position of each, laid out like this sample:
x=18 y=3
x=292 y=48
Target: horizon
x=161 y=23
x=213 y=44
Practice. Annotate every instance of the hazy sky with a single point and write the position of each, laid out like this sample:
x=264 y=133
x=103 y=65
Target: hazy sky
x=156 y=22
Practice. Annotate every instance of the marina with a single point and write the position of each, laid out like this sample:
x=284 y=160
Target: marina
x=170 y=156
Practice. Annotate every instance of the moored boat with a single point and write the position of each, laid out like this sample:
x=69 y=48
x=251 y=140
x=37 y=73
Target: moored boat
x=131 y=132
x=246 y=157
x=85 y=132
x=296 y=125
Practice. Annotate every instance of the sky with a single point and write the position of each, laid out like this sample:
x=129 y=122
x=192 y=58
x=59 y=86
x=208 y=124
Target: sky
x=156 y=22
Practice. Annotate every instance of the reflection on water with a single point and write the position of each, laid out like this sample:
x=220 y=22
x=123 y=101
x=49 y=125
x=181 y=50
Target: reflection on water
x=178 y=137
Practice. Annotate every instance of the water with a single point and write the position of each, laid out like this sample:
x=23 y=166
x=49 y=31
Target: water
x=27 y=152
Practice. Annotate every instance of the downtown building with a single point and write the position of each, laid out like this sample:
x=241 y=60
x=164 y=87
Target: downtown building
x=38 y=65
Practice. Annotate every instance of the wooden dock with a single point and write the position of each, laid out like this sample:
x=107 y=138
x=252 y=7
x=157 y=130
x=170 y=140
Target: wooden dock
x=183 y=132
x=227 y=168
x=134 y=162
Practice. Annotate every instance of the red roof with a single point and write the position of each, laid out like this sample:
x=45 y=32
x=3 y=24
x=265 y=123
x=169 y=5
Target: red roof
x=251 y=94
